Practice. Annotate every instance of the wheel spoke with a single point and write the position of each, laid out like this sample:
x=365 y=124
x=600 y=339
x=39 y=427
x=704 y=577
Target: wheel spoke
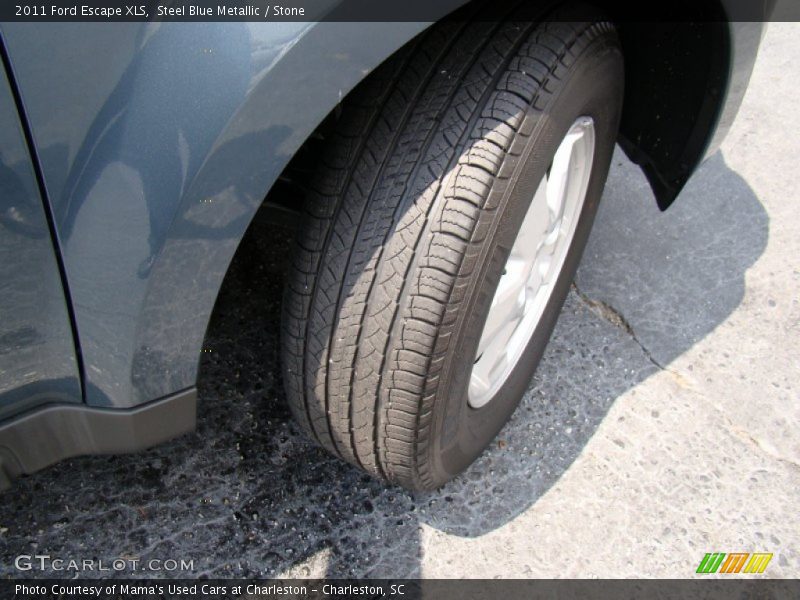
x=478 y=384
x=558 y=185
x=534 y=227
x=508 y=303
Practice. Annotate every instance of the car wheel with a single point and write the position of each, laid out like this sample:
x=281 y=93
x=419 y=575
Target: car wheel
x=440 y=237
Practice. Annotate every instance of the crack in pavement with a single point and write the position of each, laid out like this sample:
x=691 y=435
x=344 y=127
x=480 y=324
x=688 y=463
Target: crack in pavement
x=608 y=313
x=743 y=436
x=750 y=439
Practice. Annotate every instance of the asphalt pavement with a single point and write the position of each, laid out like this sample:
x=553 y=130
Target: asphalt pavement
x=661 y=425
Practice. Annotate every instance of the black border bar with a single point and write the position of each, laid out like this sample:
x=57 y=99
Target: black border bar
x=401 y=589
x=378 y=10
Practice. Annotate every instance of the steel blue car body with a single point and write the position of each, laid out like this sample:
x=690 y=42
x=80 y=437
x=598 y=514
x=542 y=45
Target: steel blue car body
x=134 y=157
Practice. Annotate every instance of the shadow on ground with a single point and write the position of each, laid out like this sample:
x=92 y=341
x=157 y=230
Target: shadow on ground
x=247 y=495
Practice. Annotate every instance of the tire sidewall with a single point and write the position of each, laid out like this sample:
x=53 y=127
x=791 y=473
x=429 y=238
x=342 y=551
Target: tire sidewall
x=593 y=87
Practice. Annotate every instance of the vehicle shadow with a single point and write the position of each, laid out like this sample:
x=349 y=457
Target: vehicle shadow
x=248 y=495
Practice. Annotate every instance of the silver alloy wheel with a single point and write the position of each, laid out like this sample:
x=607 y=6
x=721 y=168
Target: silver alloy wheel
x=535 y=261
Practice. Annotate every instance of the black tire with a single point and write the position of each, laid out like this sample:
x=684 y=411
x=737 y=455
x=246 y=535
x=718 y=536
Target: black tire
x=406 y=231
